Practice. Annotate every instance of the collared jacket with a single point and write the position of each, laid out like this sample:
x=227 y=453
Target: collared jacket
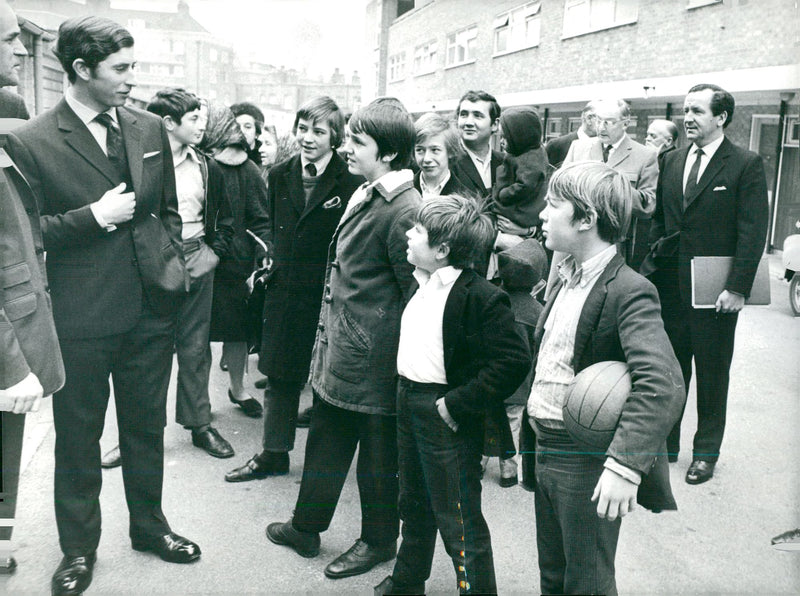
x=367 y=283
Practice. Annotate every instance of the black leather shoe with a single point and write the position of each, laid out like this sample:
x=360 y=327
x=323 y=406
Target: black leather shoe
x=305 y=544
x=8 y=566
x=212 y=443
x=787 y=541
x=73 y=575
x=250 y=406
x=259 y=467
x=170 y=547
x=304 y=418
x=387 y=586
x=700 y=471
x=358 y=559
x=111 y=459
x=261 y=383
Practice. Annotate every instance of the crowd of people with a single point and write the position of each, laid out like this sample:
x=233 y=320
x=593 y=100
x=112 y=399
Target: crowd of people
x=438 y=295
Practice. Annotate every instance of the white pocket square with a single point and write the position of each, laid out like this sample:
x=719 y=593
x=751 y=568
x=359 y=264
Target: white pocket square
x=332 y=203
x=716 y=188
x=150 y=154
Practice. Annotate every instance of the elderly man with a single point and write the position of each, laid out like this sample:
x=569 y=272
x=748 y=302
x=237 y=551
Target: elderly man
x=558 y=148
x=662 y=135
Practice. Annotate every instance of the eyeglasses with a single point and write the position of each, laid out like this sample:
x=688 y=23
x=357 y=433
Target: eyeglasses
x=607 y=123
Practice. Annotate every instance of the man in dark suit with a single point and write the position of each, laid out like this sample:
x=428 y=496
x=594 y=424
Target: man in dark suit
x=558 y=148
x=711 y=201
x=478 y=117
x=103 y=176
x=306 y=197
x=30 y=359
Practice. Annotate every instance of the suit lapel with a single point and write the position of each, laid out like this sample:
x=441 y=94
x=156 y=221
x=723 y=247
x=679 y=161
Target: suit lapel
x=325 y=184
x=453 y=309
x=712 y=169
x=590 y=315
x=77 y=136
x=294 y=184
x=468 y=167
x=132 y=136
x=621 y=153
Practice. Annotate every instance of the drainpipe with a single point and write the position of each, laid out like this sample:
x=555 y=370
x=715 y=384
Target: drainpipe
x=786 y=97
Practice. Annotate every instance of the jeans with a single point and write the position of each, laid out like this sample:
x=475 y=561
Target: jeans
x=440 y=488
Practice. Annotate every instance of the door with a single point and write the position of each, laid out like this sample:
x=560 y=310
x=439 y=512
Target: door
x=787 y=205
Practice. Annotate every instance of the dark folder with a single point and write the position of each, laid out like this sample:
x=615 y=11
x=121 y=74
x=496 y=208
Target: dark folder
x=710 y=274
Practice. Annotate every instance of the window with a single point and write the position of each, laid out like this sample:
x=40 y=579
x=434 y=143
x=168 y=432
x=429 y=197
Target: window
x=425 y=58
x=461 y=46
x=585 y=16
x=698 y=3
x=397 y=67
x=574 y=124
x=517 y=29
x=553 y=128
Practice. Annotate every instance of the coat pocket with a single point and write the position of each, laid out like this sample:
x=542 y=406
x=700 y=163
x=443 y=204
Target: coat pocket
x=348 y=349
x=20 y=307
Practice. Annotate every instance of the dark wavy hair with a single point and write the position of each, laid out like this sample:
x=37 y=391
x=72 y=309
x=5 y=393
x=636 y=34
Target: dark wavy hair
x=721 y=100
x=91 y=39
x=174 y=102
x=390 y=127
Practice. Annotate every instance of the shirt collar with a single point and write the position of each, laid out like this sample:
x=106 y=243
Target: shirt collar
x=189 y=153
x=481 y=158
x=616 y=145
x=572 y=275
x=710 y=149
x=84 y=113
x=320 y=164
x=443 y=277
x=391 y=181
x=433 y=190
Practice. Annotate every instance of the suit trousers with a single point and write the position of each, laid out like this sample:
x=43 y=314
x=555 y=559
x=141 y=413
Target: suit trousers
x=709 y=337
x=139 y=362
x=281 y=400
x=11 y=433
x=576 y=547
x=440 y=488
x=193 y=405
x=333 y=438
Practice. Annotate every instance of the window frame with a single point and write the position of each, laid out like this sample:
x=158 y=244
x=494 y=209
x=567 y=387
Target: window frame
x=397 y=71
x=629 y=8
x=508 y=21
x=425 y=57
x=465 y=36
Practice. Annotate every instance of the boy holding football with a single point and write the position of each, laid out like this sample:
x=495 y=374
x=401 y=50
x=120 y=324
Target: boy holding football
x=600 y=310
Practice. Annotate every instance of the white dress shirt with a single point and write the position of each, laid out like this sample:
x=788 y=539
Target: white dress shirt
x=483 y=165
x=708 y=152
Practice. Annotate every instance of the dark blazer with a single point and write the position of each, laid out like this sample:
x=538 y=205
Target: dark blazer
x=464 y=169
x=28 y=341
x=12 y=105
x=99 y=279
x=485 y=357
x=452 y=187
x=621 y=320
x=558 y=148
x=299 y=234
x=726 y=216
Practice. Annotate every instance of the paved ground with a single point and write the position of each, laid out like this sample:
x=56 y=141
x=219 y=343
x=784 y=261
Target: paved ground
x=717 y=543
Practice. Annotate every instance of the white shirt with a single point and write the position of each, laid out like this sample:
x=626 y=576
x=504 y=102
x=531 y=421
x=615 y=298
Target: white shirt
x=483 y=165
x=191 y=193
x=433 y=191
x=708 y=152
x=420 y=355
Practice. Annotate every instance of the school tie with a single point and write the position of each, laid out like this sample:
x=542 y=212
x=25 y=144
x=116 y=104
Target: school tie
x=311 y=169
x=115 y=147
x=691 y=183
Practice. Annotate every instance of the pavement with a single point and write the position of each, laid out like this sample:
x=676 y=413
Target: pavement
x=718 y=542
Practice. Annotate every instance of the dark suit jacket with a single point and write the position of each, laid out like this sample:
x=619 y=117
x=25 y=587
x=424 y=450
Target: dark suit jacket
x=453 y=185
x=621 y=320
x=99 y=279
x=12 y=105
x=726 y=216
x=300 y=234
x=485 y=357
x=28 y=341
x=464 y=169
x=558 y=148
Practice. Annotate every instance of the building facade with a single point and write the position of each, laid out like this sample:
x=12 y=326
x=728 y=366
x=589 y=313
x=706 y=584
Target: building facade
x=556 y=55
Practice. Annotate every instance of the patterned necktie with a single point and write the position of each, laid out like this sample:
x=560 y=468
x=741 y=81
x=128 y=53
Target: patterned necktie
x=691 y=183
x=311 y=169
x=115 y=147
x=606 y=151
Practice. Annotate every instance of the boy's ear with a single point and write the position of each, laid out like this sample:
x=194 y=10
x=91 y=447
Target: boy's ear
x=389 y=157
x=443 y=250
x=588 y=222
x=169 y=123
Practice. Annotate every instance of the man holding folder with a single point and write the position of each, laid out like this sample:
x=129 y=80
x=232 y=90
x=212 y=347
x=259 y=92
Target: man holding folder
x=711 y=200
